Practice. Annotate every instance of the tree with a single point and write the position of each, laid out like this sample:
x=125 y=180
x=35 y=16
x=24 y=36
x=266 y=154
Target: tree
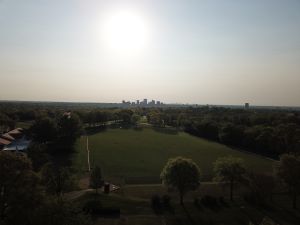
x=44 y=130
x=19 y=186
x=155 y=118
x=289 y=171
x=208 y=129
x=38 y=155
x=125 y=116
x=57 y=180
x=135 y=118
x=6 y=123
x=261 y=185
x=182 y=174
x=70 y=128
x=96 y=178
x=229 y=170
x=231 y=134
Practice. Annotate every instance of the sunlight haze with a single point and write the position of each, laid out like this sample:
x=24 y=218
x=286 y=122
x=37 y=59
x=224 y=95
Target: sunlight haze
x=202 y=52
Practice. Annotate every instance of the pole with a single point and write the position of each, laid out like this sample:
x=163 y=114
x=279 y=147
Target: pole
x=88 y=153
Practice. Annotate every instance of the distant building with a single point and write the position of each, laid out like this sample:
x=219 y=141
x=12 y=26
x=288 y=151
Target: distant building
x=152 y=103
x=145 y=102
x=142 y=103
x=247 y=105
x=67 y=114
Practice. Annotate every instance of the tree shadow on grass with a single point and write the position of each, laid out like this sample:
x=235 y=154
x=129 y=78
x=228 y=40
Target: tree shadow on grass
x=95 y=130
x=166 y=130
x=191 y=220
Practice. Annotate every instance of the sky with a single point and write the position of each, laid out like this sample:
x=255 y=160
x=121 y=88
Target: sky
x=191 y=51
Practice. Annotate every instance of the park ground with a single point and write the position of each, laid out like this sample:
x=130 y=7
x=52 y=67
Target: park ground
x=134 y=158
x=137 y=156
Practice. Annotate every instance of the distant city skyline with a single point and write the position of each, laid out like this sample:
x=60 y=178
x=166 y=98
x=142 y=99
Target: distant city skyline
x=143 y=102
x=196 y=52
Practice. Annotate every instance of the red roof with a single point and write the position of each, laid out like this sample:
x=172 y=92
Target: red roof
x=4 y=141
x=16 y=131
x=7 y=136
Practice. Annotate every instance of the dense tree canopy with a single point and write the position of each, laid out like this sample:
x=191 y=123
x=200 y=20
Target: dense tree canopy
x=289 y=171
x=19 y=185
x=182 y=174
x=229 y=170
x=96 y=180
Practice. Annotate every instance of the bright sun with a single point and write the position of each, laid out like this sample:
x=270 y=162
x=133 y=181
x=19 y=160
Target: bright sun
x=125 y=33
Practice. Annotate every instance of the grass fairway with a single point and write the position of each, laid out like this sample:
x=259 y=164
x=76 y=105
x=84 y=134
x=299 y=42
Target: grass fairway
x=130 y=154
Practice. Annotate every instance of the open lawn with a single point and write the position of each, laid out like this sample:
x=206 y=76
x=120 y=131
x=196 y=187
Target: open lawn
x=138 y=156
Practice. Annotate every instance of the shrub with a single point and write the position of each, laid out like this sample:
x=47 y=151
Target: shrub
x=166 y=200
x=197 y=202
x=156 y=204
x=93 y=207
x=209 y=201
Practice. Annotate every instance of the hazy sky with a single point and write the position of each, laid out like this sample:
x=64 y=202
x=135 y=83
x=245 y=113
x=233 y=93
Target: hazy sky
x=206 y=52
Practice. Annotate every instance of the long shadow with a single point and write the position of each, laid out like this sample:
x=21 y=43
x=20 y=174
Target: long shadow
x=165 y=130
x=95 y=130
x=191 y=220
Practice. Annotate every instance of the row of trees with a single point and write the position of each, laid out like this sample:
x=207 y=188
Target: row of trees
x=184 y=175
x=267 y=132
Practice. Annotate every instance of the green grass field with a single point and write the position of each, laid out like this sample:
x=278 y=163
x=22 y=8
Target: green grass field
x=139 y=155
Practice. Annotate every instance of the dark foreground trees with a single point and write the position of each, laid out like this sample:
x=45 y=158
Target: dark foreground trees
x=289 y=171
x=96 y=180
x=19 y=186
x=182 y=174
x=24 y=201
x=57 y=180
x=229 y=170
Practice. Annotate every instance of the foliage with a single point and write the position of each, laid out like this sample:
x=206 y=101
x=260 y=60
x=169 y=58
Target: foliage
x=229 y=170
x=289 y=171
x=69 y=128
x=38 y=155
x=19 y=185
x=96 y=180
x=209 y=201
x=182 y=174
x=261 y=185
x=44 y=130
x=57 y=180
x=6 y=123
x=156 y=204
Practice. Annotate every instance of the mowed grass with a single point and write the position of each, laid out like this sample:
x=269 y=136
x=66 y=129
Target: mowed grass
x=129 y=153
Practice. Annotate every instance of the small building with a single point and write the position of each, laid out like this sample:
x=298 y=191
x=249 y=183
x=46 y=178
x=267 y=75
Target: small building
x=14 y=140
x=247 y=105
x=4 y=143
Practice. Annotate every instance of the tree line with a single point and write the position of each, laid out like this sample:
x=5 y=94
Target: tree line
x=266 y=132
x=269 y=132
x=184 y=175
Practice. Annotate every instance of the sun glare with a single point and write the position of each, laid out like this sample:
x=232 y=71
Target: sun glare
x=125 y=33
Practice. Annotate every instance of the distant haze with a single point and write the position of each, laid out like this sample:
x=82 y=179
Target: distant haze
x=192 y=51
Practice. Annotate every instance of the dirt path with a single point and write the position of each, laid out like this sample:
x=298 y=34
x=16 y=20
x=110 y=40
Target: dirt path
x=76 y=194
